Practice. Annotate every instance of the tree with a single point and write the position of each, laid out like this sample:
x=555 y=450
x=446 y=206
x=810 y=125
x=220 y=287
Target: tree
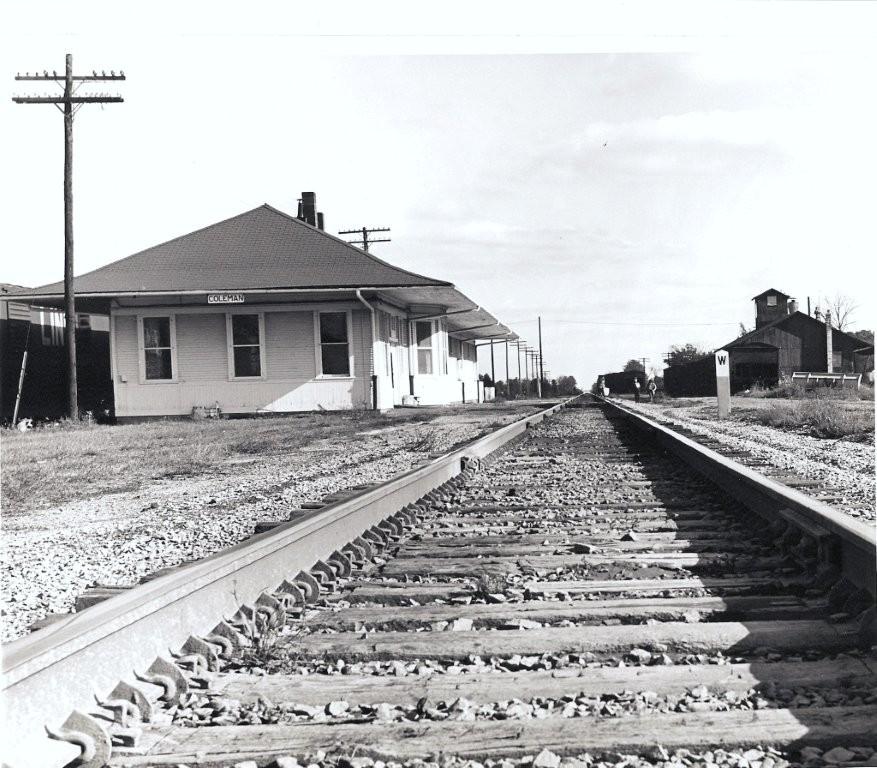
x=841 y=308
x=634 y=365
x=567 y=385
x=743 y=330
x=866 y=336
x=680 y=354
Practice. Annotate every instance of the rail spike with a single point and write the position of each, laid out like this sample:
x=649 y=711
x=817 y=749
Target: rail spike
x=168 y=676
x=309 y=585
x=227 y=637
x=324 y=573
x=344 y=562
x=122 y=709
x=355 y=553
x=133 y=694
x=290 y=594
x=244 y=621
x=365 y=546
x=197 y=645
x=271 y=607
x=89 y=735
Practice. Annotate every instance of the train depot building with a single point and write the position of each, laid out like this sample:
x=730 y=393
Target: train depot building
x=266 y=312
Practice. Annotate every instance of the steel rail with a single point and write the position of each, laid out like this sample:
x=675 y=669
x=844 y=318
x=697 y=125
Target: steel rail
x=63 y=666
x=856 y=541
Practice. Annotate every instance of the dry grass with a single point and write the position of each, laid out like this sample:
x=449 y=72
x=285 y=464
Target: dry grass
x=796 y=390
x=827 y=412
x=827 y=418
x=49 y=466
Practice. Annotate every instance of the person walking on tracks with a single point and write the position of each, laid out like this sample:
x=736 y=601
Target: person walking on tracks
x=652 y=387
x=636 y=387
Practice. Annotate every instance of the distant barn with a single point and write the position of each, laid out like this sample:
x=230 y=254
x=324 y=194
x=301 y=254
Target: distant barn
x=784 y=341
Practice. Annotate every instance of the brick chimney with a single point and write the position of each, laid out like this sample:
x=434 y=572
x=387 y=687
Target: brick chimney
x=307 y=210
x=829 y=350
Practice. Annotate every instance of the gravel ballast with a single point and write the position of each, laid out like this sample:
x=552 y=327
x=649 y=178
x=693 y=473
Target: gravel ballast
x=50 y=556
x=843 y=466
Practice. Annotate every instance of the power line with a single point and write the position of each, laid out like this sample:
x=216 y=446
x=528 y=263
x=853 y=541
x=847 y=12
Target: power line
x=365 y=232
x=603 y=322
x=69 y=104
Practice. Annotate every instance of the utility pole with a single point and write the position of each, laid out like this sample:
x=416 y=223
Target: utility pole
x=537 y=372
x=518 y=350
x=541 y=374
x=65 y=103
x=365 y=232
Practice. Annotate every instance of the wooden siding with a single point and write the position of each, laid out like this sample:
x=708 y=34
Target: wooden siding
x=801 y=343
x=201 y=348
x=14 y=310
x=125 y=342
x=290 y=383
x=289 y=341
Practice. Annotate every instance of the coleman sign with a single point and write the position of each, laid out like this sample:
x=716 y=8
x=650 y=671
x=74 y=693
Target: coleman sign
x=225 y=298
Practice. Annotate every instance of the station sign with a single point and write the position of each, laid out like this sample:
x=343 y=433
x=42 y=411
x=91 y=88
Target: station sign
x=225 y=298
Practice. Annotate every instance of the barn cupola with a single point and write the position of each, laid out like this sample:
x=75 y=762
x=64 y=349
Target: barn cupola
x=772 y=305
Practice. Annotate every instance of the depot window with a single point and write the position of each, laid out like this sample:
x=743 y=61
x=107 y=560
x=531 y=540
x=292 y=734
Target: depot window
x=771 y=301
x=423 y=334
x=158 y=348
x=245 y=334
x=334 y=336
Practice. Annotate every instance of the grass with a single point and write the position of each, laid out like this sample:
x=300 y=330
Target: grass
x=826 y=412
x=49 y=466
x=820 y=418
x=794 y=390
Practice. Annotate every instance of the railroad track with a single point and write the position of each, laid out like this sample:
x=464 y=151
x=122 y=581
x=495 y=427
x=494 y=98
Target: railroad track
x=589 y=586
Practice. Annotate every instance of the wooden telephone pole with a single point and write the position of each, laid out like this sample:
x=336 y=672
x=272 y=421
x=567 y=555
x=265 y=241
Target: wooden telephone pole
x=365 y=232
x=65 y=103
x=541 y=371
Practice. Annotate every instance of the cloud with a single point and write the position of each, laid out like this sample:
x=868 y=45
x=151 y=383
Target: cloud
x=744 y=128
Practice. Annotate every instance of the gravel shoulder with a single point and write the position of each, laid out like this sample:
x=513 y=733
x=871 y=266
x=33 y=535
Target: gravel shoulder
x=844 y=467
x=51 y=554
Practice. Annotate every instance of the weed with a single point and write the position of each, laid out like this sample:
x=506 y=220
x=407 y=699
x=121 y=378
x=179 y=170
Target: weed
x=426 y=442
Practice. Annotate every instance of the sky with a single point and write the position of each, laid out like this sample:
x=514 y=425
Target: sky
x=632 y=176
